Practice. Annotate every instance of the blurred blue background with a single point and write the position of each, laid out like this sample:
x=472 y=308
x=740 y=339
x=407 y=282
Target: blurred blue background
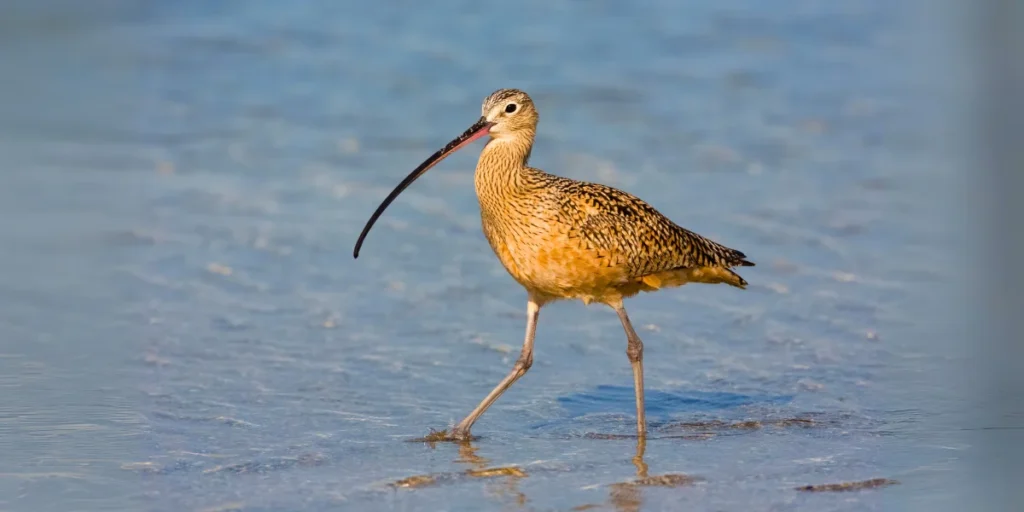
x=182 y=325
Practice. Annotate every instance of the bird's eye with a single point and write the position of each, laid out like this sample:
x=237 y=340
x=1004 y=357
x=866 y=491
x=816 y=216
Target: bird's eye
x=510 y=108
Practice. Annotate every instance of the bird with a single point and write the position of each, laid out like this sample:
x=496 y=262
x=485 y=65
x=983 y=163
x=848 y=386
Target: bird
x=566 y=239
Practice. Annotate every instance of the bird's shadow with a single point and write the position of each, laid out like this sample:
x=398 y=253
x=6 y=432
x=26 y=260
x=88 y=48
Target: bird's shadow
x=608 y=412
x=613 y=408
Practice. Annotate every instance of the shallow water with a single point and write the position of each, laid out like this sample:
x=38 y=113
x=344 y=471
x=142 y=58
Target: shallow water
x=184 y=327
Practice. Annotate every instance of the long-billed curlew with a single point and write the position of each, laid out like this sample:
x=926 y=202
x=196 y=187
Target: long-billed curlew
x=567 y=239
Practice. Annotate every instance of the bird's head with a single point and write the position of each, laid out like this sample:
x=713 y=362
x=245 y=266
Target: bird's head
x=508 y=111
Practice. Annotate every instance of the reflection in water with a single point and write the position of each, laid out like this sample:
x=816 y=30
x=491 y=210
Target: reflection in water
x=638 y=459
x=623 y=496
x=478 y=468
x=628 y=496
x=415 y=481
x=507 y=487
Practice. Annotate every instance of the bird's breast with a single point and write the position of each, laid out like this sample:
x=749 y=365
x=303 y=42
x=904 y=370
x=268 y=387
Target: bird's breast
x=545 y=257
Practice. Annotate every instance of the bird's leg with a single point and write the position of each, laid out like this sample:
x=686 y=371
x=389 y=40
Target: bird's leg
x=635 y=351
x=524 y=362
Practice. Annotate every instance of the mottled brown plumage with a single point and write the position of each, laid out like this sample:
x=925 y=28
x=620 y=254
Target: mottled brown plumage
x=568 y=239
x=564 y=239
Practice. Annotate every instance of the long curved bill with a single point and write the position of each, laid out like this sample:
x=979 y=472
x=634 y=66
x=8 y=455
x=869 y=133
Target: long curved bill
x=479 y=129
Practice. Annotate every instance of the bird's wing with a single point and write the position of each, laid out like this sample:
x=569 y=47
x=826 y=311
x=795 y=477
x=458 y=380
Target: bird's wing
x=636 y=235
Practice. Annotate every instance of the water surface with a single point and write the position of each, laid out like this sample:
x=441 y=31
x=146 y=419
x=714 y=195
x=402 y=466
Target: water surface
x=184 y=327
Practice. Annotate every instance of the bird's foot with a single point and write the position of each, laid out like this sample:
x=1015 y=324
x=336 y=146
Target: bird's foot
x=454 y=435
x=461 y=435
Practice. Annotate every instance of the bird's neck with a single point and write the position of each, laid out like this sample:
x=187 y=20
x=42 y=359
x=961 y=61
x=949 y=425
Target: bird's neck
x=502 y=169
